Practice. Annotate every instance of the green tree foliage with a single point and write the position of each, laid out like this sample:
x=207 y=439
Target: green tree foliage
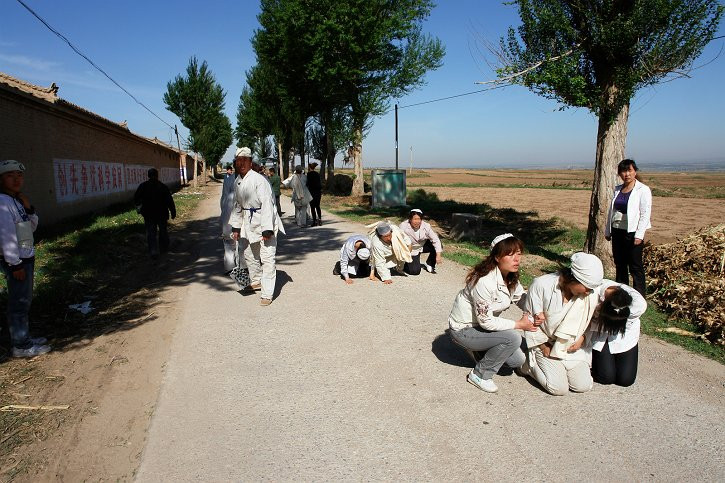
x=597 y=54
x=198 y=100
x=350 y=55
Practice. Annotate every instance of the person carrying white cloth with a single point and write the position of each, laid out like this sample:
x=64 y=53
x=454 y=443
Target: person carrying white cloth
x=390 y=250
x=255 y=224
x=226 y=205
x=301 y=196
x=563 y=304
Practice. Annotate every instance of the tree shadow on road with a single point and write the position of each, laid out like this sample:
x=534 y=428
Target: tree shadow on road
x=537 y=233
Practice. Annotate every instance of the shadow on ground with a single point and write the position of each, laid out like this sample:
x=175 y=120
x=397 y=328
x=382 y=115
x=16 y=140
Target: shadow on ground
x=126 y=288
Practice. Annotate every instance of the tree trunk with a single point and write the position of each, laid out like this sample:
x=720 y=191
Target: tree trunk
x=611 y=142
x=196 y=170
x=358 y=184
x=203 y=170
x=330 y=153
x=280 y=165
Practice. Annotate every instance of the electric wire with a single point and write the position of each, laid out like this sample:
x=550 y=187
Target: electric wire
x=75 y=49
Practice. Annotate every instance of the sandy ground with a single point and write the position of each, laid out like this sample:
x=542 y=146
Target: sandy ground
x=672 y=217
x=336 y=382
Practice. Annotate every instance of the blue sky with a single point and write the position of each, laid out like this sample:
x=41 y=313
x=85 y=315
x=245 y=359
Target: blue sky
x=143 y=45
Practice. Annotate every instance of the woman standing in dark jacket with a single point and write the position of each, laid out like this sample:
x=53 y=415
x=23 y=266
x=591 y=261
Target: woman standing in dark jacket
x=314 y=184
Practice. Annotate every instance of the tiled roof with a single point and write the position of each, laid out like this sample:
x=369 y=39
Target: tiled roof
x=46 y=93
x=50 y=94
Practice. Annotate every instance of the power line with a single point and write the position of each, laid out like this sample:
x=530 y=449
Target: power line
x=447 y=97
x=62 y=37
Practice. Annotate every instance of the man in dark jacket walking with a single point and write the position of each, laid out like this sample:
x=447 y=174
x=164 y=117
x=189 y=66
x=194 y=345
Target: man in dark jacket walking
x=153 y=200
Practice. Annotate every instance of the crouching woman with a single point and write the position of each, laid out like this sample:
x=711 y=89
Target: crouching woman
x=491 y=287
x=614 y=334
x=563 y=303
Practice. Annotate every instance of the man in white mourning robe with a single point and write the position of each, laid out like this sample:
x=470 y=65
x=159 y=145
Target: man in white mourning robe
x=255 y=224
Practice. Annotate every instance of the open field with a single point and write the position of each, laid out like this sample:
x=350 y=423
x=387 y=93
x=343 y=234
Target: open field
x=566 y=194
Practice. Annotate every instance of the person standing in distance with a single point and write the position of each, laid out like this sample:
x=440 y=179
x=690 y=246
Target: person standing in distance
x=18 y=221
x=255 y=223
x=226 y=204
x=154 y=202
x=629 y=218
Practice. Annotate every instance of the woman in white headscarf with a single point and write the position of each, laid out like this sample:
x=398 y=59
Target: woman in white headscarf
x=475 y=322
x=563 y=304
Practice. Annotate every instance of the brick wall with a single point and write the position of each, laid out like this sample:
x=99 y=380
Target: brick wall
x=63 y=148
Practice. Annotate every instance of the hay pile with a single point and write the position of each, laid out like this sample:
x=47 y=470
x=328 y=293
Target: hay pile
x=687 y=279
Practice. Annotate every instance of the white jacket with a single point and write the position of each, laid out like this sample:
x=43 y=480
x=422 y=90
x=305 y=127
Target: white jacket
x=620 y=342
x=481 y=304
x=12 y=212
x=639 y=208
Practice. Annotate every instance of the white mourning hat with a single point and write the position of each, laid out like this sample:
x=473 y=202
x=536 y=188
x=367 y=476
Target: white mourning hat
x=244 y=152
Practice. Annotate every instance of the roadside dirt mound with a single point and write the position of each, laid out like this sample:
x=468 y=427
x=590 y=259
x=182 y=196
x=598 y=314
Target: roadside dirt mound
x=687 y=279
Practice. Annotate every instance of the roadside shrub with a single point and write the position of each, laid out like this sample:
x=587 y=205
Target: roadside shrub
x=340 y=185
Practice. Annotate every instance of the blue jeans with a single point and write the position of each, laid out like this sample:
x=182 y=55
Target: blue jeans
x=503 y=346
x=20 y=295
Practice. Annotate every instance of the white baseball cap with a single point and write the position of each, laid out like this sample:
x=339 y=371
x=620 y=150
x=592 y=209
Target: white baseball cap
x=11 y=165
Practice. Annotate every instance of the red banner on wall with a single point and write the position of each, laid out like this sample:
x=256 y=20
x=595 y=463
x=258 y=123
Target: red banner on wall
x=75 y=180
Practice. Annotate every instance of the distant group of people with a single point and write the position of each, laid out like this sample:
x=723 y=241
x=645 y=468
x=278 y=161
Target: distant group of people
x=388 y=248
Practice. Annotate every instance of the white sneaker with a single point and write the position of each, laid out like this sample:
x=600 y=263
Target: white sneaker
x=427 y=267
x=483 y=384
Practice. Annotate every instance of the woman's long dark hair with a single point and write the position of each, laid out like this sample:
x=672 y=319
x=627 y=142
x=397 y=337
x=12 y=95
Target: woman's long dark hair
x=614 y=312
x=505 y=247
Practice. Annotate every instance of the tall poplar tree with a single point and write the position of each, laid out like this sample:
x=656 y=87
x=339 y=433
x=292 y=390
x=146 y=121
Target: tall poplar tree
x=597 y=54
x=198 y=100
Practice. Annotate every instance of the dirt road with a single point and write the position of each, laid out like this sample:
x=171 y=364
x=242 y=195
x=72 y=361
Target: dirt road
x=360 y=383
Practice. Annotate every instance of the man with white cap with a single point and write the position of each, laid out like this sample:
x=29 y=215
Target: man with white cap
x=563 y=303
x=18 y=221
x=390 y=250
x=255 y=224
x=354 y=258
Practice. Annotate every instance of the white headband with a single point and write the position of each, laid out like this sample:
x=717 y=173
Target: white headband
x=500 y=238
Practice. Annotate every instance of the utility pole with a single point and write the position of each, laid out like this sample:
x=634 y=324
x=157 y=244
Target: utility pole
x=396 y=135
x=410 y=170
x=181 y=163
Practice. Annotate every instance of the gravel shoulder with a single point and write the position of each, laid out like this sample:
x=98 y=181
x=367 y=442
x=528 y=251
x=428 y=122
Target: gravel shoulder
x=360 y=382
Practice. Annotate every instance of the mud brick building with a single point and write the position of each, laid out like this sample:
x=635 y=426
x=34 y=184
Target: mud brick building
x=76 y=161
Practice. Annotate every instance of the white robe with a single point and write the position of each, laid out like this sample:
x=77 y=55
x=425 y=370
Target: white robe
x=226 y=205
x=254 y=207
x=301 y=197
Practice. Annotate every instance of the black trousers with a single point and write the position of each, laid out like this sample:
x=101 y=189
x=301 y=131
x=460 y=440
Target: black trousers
x=413 y=268
x=619 y=369
x=315 y=206
x=628 y=259
x=152 y=228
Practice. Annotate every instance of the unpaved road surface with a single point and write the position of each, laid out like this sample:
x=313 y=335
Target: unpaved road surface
x=337 y=382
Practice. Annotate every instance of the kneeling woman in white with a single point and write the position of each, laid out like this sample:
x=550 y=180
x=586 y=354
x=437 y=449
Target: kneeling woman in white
x=614 y=334
x=563 y=303
x=491 y=287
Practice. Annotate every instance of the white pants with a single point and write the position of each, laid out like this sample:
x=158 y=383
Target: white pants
x=557 y=377
x=260 y=259
x=301 y=214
